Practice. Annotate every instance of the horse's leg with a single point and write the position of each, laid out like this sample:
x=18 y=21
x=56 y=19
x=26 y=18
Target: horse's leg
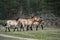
x=27 y=27
x=14 y=28
x=42 y=27
x=9 y=29
x=31 y=28
x=6 y=29
x=21 y=26
x=17 y=28
x=36 y=27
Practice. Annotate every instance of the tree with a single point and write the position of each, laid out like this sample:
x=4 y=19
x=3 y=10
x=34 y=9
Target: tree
x=11 y=9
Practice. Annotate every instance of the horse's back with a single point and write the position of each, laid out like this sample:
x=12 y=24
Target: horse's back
x=25 y=21
x=12 y=22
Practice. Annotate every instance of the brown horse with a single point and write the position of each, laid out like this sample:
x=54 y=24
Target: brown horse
x=10 y=23
x=29 y=22
x=39 y=22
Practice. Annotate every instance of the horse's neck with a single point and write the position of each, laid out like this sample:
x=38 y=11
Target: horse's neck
x=17 y=21
x=32 y=20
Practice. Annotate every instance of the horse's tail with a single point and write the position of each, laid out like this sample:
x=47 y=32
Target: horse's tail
x=5 y=24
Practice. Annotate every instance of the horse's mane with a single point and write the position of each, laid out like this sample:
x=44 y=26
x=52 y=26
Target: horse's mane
x=32 y=16
x=17 y=19
x=40 y=17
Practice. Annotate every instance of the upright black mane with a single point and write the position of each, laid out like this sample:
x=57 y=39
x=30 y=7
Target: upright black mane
x=32 y=16
x=40 y=17
x=17 y=19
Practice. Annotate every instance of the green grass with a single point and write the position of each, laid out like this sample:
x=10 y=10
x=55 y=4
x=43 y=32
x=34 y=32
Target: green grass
x=4 y=38
x=46 y=34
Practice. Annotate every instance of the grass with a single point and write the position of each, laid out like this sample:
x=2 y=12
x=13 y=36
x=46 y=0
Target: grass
x=4 y=38
x=46 y=34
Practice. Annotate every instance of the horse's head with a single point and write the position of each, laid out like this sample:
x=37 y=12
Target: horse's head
x=40 y=19
x=37 y=19
x=34 y=18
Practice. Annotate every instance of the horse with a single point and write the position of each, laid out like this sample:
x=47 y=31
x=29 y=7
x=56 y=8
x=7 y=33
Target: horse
x=10 y=23
x=39 y=22
x=29 y=22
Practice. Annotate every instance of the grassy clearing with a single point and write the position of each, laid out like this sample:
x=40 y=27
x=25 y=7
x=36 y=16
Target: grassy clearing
x=46 y=34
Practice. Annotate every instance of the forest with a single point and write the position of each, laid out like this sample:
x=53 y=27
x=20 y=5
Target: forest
x=48 y=9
